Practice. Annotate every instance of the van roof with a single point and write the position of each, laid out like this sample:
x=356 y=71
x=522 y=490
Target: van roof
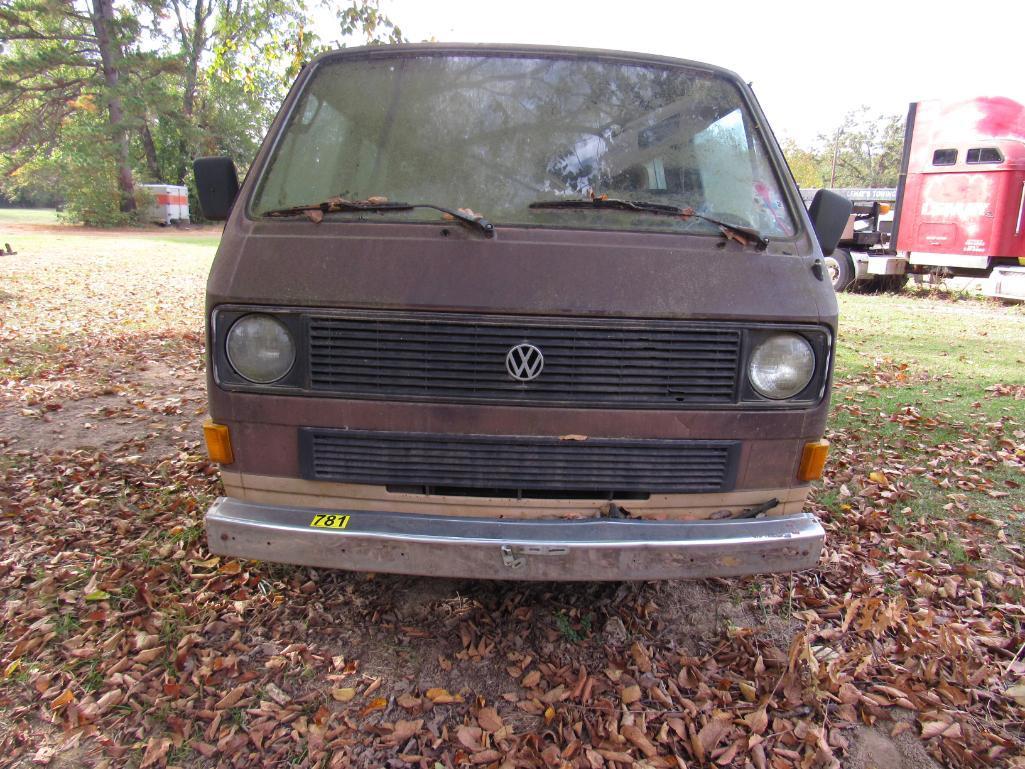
x=556 y=51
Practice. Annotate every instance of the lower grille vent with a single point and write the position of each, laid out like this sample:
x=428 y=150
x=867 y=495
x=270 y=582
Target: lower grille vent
x=601 y=467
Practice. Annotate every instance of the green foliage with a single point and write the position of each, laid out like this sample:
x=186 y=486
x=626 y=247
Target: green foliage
x=192 y=77
x=804 y=164
x=364 y=18
x=87 y=169
x=863 y=151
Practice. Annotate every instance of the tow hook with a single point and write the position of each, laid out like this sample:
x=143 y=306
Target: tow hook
x=510 y=559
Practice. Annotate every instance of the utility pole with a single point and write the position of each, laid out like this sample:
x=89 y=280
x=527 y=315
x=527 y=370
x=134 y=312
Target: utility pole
x=836 y=152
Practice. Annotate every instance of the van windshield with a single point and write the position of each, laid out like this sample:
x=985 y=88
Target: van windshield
x=496 y=133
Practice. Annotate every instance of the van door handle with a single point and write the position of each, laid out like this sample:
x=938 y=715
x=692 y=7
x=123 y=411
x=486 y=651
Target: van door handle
x=1021 y=210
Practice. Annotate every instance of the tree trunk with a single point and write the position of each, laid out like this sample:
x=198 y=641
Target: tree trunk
x=150 y=148
x=110 y=56
x=192 y=48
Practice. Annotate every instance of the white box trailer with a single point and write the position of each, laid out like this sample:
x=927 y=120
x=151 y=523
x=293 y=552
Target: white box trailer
x=169 y=204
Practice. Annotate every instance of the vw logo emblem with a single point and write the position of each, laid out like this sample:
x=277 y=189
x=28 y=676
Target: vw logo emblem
x=524 y=362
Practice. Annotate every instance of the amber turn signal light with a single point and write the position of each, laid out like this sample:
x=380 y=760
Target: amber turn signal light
x=813 y=460
x=218 y=443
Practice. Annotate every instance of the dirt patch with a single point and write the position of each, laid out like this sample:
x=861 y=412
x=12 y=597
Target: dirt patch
x=152 y=407
x=873 y=748
x=102 y=340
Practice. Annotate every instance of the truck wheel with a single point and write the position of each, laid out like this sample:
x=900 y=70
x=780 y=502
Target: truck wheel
x=841 y=269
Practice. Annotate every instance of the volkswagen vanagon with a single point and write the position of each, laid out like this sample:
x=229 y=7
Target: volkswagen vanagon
x=519 y=313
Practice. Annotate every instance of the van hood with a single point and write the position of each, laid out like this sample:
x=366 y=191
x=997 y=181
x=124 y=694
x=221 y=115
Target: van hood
x=519 y=272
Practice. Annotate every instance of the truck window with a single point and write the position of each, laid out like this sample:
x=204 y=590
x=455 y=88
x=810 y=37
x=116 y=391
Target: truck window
x=944 y=157
x=984 y=155
x=495 y=133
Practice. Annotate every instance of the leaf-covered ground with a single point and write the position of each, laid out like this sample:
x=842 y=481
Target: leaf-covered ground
x=123 y=643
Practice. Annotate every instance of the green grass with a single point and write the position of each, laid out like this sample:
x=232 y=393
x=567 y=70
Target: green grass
x=66 y=624
x=970 y=345
x=938 y=357
x=28 y=216
x=205 y=240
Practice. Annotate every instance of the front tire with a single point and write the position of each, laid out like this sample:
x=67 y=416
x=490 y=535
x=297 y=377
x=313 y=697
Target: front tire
x=841 y=269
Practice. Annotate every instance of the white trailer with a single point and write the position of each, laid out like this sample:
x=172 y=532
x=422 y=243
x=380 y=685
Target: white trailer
x=169 y=204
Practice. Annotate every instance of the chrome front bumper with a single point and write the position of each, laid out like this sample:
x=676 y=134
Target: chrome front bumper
x=592 y=549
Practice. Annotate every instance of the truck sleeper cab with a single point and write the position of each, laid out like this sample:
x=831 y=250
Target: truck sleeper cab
x=958 y=209
x=518 y=313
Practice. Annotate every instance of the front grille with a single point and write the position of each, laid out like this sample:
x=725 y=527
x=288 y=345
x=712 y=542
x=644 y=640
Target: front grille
x=586 y=363
x=526 y=464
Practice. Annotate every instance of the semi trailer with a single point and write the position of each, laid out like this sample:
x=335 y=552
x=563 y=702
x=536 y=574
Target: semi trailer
x=958 y=209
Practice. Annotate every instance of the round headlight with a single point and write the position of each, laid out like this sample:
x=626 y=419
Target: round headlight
x=260 y=348
x=781 y=366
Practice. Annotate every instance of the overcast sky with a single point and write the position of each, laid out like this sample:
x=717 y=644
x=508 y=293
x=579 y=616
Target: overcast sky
x=809 y=62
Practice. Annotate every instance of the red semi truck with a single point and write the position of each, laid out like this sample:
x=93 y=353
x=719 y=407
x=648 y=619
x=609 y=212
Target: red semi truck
x=958 y=209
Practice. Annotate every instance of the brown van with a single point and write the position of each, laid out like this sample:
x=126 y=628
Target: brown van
x=519 y=313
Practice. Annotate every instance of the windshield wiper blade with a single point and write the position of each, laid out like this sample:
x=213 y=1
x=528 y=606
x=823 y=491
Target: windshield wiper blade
x=315 y=211
x=744 y=235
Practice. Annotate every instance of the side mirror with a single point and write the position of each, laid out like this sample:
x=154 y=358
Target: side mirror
x=829 y=214
x=216 y=186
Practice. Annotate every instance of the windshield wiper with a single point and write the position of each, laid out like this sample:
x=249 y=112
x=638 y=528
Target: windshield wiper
x=315 y=211
x=744 y=235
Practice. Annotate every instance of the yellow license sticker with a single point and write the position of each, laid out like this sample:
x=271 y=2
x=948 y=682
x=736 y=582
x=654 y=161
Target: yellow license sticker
x=330 y=521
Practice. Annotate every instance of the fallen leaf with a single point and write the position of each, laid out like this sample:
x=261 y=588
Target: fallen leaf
x=948 y=729
x=1017 y=693
x=156 y=750
x=640 y=739
x=630 y=694
x=442 y=696
x=757 y=720
x=109 y=700
x=65 y=698
x=554 y=695
x=641 y=658
x=489 y=719
x=44 y=755
x=403 y=730
x=378 y=703
x=276 y=694
x=484 y=757
x=712 y=732
x=409 y=702
x=230 y=699
x=469 y=737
